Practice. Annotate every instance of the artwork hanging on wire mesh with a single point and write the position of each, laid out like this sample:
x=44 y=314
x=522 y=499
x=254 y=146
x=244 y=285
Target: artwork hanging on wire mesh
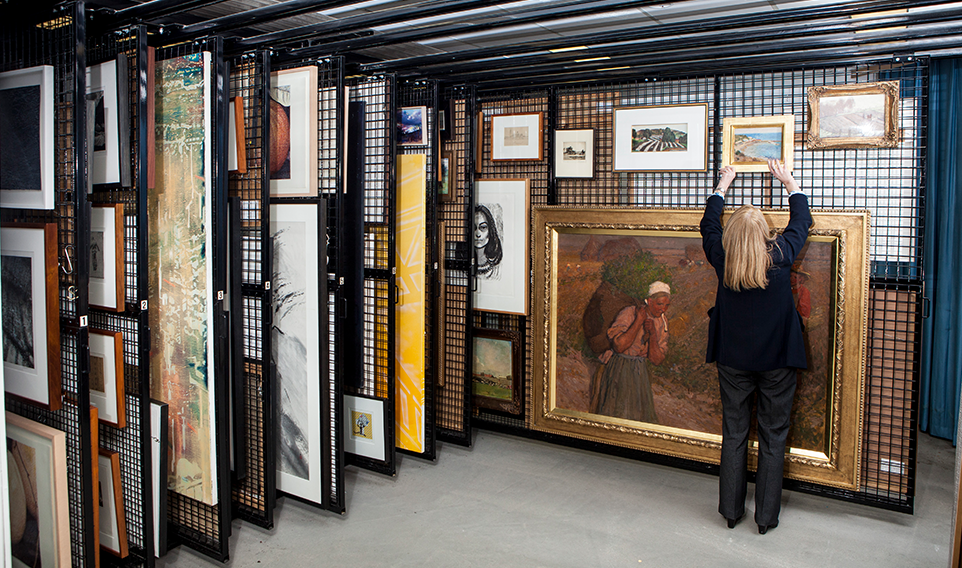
x=180 y=272
x=500 y=245
x=293 y=143
x=749 y=142
x=27 y=138
x=661 y=138
x=854 y=116
x=295 y=348
x=412 y=126
x=600 y=271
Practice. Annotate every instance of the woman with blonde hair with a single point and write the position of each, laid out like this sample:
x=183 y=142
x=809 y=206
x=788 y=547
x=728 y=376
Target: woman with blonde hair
x=755 y=339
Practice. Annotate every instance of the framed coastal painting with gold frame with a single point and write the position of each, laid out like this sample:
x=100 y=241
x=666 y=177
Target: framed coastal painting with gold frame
x=595 y=265
x=854 y=116
x=749 y=142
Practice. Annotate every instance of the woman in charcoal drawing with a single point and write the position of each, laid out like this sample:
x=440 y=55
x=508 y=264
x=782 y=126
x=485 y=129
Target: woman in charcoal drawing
x=755 y=338
x=487 y=243
x=639 y=333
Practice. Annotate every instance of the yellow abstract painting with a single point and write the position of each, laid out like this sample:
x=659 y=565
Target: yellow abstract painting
x=409 y=346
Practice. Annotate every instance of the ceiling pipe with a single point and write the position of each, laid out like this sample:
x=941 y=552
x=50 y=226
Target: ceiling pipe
x=255 y=16
x=153 y=10
x=327 y=47
x=571 y=8
x=616 y=53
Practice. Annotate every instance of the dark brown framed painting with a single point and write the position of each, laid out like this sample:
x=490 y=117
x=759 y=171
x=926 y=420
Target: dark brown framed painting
x=594 y=268
x=446 y=188
x=854 y=116
x=496 y=370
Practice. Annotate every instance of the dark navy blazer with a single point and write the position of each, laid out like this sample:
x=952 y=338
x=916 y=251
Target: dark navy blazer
x=757 y=329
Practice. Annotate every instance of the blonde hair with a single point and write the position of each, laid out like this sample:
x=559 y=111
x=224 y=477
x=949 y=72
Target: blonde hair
x=747 y=241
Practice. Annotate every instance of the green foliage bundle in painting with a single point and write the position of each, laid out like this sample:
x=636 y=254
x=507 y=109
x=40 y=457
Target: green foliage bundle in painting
x=632 y=274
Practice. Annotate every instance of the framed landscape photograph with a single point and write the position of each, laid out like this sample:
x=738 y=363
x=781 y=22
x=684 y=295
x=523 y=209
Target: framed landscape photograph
x=107 y=287
x=39 y=502
x=236 y=136
x=501 y=245
x=594 y=268
x=749 y=142
x=516 y=137
x=496 y=370
x=113 y=523
x=26 y=138
x=412 y=125
x=574 y=154
x=293 y=143
x=854 y=116
x=107 y=376
x=104 y=166
x=31 y=313
x=445 y=182
x=670 y=138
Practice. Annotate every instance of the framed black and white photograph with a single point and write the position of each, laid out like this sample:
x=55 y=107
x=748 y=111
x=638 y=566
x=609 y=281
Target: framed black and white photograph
x=501 y=245
x=574 y=155
x=104 y=164
x=107 y=376
x=364 y=427
x=26 y=138
x=516 y=137
x=412 y=125
x=113 y=523
x=31 y=314
x=664 y=138
x=106 y=287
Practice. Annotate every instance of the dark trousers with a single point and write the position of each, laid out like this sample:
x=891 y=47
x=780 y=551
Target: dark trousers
x=775 y=391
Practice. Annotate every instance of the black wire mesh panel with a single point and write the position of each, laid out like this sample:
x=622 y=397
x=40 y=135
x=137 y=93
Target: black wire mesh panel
x=133 y=440
x=58 y=40
x=204 y=527
x=409 y=94
x=378 y=95
x=253 y=492
x=889 y=182
x=451 y=399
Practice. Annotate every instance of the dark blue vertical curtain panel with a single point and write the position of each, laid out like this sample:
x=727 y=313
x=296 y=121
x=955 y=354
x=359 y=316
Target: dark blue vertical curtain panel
x=942 y=331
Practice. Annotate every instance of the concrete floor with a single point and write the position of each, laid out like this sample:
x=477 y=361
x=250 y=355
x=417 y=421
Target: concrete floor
x=512 y=502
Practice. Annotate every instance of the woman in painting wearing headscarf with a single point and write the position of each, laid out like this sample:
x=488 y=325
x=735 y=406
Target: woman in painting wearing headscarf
x=639 y=333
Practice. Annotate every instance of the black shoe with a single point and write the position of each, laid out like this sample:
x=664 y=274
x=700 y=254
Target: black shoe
x=762 y=529
x=733 y=522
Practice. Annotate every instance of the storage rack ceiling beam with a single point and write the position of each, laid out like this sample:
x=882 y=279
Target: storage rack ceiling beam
x=887 y=36
x=793 y=22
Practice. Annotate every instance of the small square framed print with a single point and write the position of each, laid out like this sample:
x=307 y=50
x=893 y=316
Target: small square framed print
x=574 y=155
x=412 y=126
x=516 y=137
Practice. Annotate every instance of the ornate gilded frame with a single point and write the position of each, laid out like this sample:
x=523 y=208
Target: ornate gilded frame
x=783 y=124
x=817 y=138
x=847 y=236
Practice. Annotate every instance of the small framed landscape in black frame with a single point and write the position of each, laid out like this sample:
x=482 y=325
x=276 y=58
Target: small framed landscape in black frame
x=496 y=370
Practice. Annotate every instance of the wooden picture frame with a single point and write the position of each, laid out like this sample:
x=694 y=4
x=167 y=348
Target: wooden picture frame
x=412 y=126
x=293 y=143
x=104 y=164
x=113 y=522
x=27 y=123
x=663 y=138
x=593 y=264
x=446 y=186
x=31 y=315
x=517 y=137
x=107 y=376
x=502 y=260
x=479 y=142
x=574 y=154
x=853 y=116
x=236 y=136
x=95 y=475
x=748 y=142
x=107 y=286
x=496 y=374
x=37 y=459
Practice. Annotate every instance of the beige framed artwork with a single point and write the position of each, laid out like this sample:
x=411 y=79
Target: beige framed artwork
x=594 y=267
x=516 y=137
x=854 y=116
x=749 y=142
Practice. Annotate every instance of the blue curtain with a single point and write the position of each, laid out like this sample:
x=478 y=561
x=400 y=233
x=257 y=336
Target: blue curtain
x=942 y=331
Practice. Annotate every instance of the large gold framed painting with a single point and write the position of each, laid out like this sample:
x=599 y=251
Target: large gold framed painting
x=180 y=268
x=595 y=269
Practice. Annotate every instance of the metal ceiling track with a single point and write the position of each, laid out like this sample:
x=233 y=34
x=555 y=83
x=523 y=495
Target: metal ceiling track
x=256 y=16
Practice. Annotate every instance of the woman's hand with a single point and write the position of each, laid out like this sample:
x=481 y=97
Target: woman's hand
x=727 y=176
x=781 y=173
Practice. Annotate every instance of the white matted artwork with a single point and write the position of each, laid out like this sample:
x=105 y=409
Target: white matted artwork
x=107 y=376
x=516 y=137
x=574 y=154
x=104 y=165
x=293 y=144
x=661 y=138
x=39 y=503
x=106 y=287
x=364 y=427
x=26 y=138
x=501 y=245
x=113 y=521
x=295 y=352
